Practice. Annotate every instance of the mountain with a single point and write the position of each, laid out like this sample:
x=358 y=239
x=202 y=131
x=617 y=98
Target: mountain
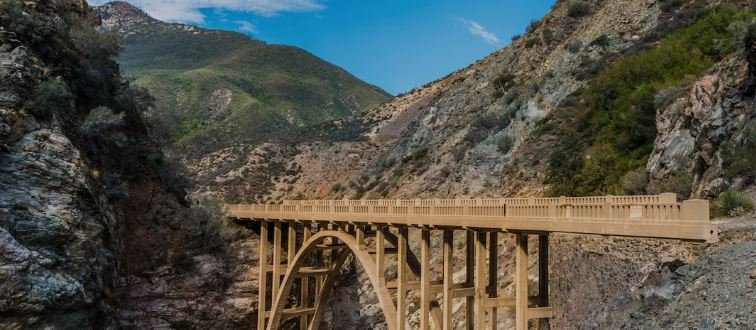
x=214 y=88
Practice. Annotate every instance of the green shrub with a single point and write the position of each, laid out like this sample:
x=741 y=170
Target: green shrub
x=25 y=24
x=635 y=182
x=482 y=126
x=505 y=144
x=183 y=262
x=532 y=26
x=602 y=41
x=543 y=126
x=564 y=162
x=579 y=9
x=733 y=203
x=215 y=229
x=503 y=82
x=575 y=47
x=739 y=157
x=533 y=42
x=679 y=183
x=670 y=5
x=49 y=97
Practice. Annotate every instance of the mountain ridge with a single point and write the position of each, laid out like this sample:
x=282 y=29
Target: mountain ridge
x=214 y=88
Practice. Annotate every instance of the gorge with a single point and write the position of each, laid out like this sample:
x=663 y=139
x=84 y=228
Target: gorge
x=118 y=145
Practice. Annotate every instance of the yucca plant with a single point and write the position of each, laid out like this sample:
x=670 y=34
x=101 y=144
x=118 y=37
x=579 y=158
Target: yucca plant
x=733 y=203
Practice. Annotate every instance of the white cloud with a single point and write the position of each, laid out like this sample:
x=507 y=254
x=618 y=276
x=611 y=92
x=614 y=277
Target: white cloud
x=479 y=31
x=187 y=11
x=246 y=27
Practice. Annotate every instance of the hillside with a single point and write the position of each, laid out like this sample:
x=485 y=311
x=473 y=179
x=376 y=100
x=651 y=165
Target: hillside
x=215 y=88
x=598 y=100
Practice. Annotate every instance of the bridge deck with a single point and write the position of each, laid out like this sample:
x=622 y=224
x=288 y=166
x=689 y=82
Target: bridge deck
x=656 y=216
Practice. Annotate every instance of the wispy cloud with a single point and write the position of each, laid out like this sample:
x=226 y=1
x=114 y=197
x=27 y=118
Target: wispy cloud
x=246 y=27
x=479 y=31
x=188 y=11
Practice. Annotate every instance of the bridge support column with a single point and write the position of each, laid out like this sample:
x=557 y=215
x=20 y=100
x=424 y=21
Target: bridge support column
x=448 y=279
x=425 y=280
x=401 y=278
x=480 y=280
x=493 y=276
x=380 y=254
x=470 y=279
x=304 y=285
x=543 y=278
x=521 y=282
x=262 y=274
x=277 y=233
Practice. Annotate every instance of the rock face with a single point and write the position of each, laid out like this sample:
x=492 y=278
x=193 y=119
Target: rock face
x=53 y=236
x=692 y=128
x=715 y=291
x=94 y=232
x=56 y=230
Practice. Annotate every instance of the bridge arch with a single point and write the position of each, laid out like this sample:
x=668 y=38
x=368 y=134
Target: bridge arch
x=352 y=246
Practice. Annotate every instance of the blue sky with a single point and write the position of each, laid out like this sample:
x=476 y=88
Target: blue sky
x=395 y=44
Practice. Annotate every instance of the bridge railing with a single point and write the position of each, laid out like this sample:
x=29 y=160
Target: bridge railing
x=640 y=216
x=649 y=207
x=667 y=198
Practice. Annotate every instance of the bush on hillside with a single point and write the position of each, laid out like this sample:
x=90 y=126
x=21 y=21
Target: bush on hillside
x=579 y=9
x=50 y=96
x=601 y=41
x=27 y=25
x=482 y=126
x=739 y=157
x=575 y=47
x=635 y=182
x=670 y=5
x=215 y=229
x=532 y=26
x=502 y=84
x=533 y=42
x=678 y=183
x=733 y=203
x=505 y=144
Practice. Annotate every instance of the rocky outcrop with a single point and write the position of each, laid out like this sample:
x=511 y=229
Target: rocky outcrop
x=715 y=291
x=715 y=109
x=57 y=245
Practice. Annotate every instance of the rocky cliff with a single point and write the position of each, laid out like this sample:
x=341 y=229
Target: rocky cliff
x=94 y=228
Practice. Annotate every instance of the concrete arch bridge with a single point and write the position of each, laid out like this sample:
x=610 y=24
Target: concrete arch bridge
x=315 y=237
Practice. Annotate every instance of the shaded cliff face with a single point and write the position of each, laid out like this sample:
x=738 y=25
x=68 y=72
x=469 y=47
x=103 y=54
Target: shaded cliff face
x=91 y=220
